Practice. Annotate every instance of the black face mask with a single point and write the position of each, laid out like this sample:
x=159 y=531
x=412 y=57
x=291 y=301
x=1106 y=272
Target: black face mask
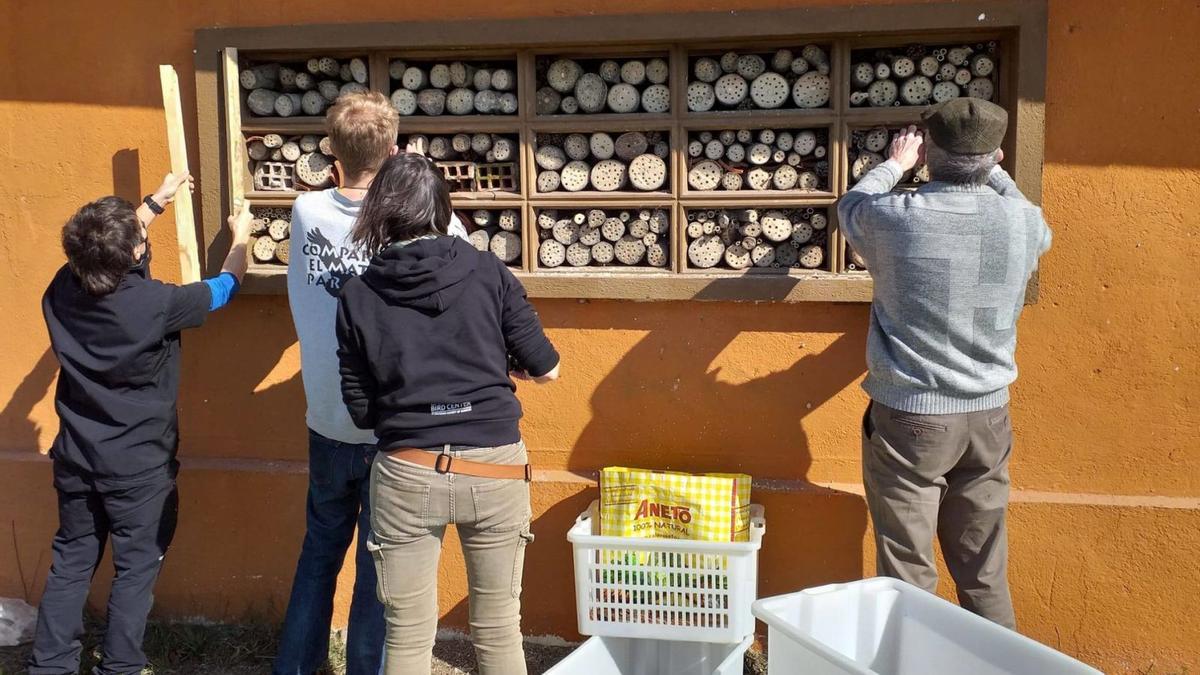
x=142 y=265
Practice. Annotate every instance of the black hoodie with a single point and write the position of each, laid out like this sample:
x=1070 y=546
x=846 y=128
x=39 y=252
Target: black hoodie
x=119 y=383
x=424 y=336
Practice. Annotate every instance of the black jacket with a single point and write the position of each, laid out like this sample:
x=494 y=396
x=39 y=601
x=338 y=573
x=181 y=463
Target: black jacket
x=423 y=342
x=119 y=379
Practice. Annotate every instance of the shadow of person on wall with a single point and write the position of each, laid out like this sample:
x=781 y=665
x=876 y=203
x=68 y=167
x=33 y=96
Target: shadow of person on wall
x=665 y=406
x=19 y=432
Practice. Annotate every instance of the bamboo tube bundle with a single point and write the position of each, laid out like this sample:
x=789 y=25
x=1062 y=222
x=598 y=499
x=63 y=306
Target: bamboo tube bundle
x=921 y=74
x=589 y=86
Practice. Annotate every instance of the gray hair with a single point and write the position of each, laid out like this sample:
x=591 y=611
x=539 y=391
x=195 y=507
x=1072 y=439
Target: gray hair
x=950 y=167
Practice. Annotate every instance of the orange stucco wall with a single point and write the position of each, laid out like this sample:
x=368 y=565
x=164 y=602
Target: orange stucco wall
x=1105 y=526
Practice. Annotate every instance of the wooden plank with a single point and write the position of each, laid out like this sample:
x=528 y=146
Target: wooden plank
x=235 y=145
x=730 y=287
x=185 y=217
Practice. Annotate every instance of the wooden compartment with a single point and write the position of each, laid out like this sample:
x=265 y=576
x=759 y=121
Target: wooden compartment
x=790 y=77
x=270 y=239
x=477 y=165
x=422 y=86
x=498 y=230
x=292 y=86
x=751 y=161
x=923 y=73
x=589 y=165
x=757 y=240
x=867 y=147
x=285 y=164
x=616 y=239
x=604 y=82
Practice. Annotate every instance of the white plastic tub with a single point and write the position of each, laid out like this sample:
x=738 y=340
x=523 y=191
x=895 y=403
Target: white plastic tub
x=631 y=656
x=665 y=589
x=888 y=627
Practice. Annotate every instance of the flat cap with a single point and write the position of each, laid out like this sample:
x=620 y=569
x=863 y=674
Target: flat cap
x=966 y=126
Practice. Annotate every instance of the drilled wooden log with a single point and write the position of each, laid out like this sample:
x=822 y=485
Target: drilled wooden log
x=314 y=169
x=601 y=146
x=550 y=157
x=265 y=76
x=551 y=253
x=802 y=232
x=575 y=176
x=811 y=90
x=603 y=252
x=576 y=146
x=506 y=246
x=608 y=175
x=776 y=226
x=262 y=101
x=737 y=257
x=763 y=255
x=811 y=256
x=700 y=97
x=548 y=181
x=613 y=229
x=590 y=236
x=479 y=239
x=705 y=252
x=730 y=90
x=509 y=220
x=547 y=218
x=579 y=255
x=460 y=101
x=566 y=232
x=263 y=249
x=704 y=176
x=629 y=250
x=647 y=172
x=758 y=178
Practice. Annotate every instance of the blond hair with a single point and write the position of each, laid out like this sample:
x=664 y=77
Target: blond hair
x=362 y=129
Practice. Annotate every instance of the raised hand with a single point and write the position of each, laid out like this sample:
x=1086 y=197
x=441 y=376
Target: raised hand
x=908 y=148
x=165 y=194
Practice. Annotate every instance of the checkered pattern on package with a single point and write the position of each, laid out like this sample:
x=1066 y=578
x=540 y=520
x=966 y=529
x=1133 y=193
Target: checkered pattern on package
x=674 y=505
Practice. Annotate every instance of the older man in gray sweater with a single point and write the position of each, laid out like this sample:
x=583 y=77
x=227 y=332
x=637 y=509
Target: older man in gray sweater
x=950 y=262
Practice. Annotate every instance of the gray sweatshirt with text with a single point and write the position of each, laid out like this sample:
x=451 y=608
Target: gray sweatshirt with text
x=950 y=264
x=323 y=259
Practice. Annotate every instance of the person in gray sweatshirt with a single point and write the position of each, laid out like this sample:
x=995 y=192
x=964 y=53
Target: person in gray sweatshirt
x=362 y=131
x=950 y=263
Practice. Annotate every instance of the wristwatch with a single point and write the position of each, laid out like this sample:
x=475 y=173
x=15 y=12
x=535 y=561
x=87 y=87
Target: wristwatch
x=148 y=200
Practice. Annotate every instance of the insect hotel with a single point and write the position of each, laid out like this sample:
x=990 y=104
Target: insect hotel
x=647 y=162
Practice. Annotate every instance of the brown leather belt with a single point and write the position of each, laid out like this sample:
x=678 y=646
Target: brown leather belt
x=444 y=463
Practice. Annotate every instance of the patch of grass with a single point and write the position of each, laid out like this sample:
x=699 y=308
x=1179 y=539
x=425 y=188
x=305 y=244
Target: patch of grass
x=192 y=649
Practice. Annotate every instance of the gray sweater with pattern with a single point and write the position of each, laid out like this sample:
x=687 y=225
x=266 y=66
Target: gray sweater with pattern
x=950 y=264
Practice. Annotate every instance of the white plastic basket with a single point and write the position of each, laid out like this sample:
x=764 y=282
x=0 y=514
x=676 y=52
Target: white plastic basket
x=630 y=656
x=888 y=627
x=665 y=589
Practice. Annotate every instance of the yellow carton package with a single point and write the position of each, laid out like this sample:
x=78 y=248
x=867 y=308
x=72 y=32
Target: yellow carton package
x=674 y=505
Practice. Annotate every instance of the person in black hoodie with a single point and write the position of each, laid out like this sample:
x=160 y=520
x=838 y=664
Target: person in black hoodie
x=426 y=337
x=115 y=332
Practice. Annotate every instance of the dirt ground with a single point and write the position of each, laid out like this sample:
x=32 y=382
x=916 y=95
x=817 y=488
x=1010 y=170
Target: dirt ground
x=191 y=649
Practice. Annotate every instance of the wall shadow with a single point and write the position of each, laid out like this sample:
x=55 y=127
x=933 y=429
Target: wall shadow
x=658 y=409
x=18 y=430
x=127 y=175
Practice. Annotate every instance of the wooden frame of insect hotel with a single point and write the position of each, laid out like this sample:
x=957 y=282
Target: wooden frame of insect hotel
x=680 y=156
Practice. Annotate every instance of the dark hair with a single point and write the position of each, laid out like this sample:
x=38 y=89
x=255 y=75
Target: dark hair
x=99 y=241
x=408 y=198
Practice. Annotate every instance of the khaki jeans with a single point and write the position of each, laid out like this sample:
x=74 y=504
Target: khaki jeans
x=410 y=508
x=947 y=473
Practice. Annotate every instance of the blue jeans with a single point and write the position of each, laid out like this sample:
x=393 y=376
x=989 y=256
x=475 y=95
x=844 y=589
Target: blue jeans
x=338 y=500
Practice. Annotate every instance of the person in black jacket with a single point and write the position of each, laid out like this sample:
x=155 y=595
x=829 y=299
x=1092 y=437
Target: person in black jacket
x=425 y=337
x=115 y=332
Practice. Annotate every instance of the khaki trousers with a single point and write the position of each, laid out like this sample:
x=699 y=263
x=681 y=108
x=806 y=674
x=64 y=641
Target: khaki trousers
x=410 y=509
x=949 y=474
